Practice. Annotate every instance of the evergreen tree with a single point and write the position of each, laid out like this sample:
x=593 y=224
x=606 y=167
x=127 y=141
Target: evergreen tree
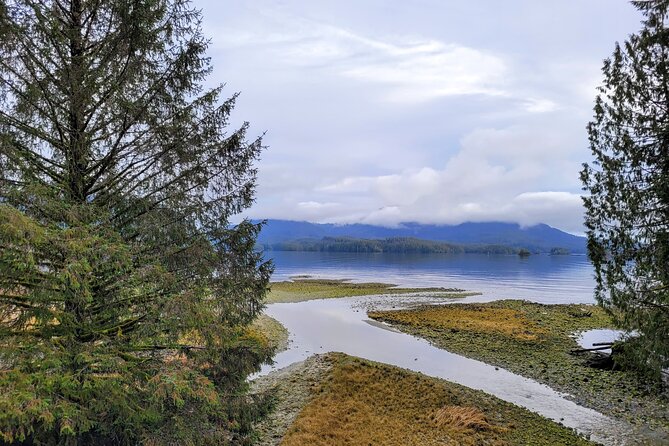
x=627 y=210
x=125 y=294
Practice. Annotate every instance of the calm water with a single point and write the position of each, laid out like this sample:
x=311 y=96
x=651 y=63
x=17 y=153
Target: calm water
x=341 y=325
x=321 y=326
x=540 y=278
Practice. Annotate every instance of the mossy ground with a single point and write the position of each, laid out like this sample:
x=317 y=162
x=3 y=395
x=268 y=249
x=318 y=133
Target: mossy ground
x=276 y=335
x=535 y=341
x=362 y=403
x=301 y=289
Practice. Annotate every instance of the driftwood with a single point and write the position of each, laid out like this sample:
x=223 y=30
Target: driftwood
x=600 y=360
x=596 y=346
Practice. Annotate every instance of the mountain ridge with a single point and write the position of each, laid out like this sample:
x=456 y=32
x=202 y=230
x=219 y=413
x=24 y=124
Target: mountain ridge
x=538 y=238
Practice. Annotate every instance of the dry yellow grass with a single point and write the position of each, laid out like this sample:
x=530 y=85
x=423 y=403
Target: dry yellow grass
x=366 y=403
x=475 y=318
x=464 y=417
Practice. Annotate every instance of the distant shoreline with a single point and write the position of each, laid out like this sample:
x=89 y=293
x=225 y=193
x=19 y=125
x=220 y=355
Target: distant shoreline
x=405 y=245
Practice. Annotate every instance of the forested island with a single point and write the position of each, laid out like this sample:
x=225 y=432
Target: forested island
x=398 y=245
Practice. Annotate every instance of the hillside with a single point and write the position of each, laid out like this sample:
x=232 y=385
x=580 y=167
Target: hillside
x=291 y=235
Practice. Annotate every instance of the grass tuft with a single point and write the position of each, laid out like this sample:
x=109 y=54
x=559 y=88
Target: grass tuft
x=468 y=418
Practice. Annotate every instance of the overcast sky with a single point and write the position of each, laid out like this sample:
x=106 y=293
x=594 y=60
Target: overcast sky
x=434 y=111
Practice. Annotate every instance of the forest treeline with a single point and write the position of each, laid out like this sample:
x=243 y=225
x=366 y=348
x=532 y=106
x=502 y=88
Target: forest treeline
x=399 y=245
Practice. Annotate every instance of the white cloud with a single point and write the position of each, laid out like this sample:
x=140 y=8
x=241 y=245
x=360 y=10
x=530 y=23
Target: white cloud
x=560 y=209
x=423 y=71
x=411 y=69
x=385 y=112
x=538 y=105
x=311 y=210
x=498 y=174
x=315 y=206
x=349 y=184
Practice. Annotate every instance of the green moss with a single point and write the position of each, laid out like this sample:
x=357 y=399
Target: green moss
x=547 y=358
x=275 y=333
x=302 y=289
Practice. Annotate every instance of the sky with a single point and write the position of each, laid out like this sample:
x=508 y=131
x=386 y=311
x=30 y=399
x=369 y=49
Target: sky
x=430 y=111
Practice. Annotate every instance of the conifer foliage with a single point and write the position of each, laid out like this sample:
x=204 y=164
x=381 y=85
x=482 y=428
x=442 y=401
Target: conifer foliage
x=125 y=294
x=627 y=209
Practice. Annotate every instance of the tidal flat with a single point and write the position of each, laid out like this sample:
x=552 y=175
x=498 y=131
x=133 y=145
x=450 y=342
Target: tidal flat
x=343 y=400
x=300 y=289
x=535 y=341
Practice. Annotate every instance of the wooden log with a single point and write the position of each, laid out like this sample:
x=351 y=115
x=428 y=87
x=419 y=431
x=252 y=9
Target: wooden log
x=594 y=349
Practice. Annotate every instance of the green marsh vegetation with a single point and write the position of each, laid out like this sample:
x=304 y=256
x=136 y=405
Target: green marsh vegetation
x=275 y=334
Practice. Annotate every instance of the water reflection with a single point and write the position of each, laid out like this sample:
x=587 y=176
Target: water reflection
x=587 y=339
x=540 y=278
